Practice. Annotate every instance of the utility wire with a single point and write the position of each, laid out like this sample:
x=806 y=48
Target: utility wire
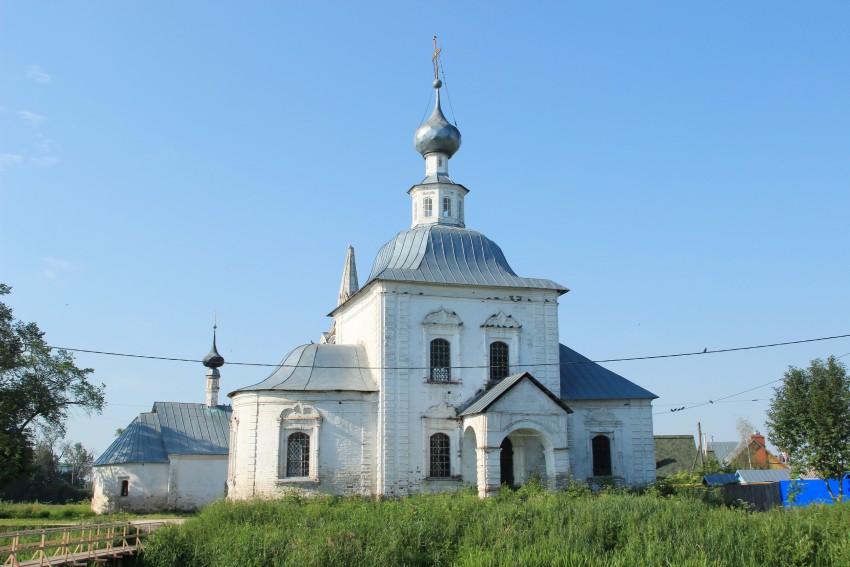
x=569 y=363
x=718 y=399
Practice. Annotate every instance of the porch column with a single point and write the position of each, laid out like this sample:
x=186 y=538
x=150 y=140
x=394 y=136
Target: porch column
x=561 y=466
x=489 y=471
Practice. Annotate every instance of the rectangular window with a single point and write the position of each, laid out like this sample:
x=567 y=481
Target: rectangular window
x=447 y=207
x=125 y=488
x=440 y=361
x=426 y=206
x=298 y=455
x=440 y=456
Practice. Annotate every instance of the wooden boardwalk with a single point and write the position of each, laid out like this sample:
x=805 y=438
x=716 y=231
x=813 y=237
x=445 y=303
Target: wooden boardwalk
x=81 y=544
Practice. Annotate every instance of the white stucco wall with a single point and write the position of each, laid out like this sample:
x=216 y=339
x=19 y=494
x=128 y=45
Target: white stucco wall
x=388 y=319
x=628 y=424
x=148 y=487
x=196 y=480
x=343 y=454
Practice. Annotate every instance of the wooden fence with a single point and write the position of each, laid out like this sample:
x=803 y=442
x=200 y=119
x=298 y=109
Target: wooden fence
x=74 y=545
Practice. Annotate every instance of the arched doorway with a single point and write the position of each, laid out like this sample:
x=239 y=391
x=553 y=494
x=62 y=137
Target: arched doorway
x=506 y=462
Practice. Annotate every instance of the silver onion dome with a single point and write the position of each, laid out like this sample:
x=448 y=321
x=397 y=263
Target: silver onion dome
x=437 y=135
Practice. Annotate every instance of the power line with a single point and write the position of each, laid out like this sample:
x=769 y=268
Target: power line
x=569 y=363
x=718 y=400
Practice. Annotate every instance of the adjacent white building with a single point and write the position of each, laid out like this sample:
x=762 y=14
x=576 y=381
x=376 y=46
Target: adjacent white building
x=443 y=370
x=173 y=457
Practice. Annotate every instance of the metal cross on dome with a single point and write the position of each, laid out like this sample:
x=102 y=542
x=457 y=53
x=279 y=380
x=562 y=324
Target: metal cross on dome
x=436 y=60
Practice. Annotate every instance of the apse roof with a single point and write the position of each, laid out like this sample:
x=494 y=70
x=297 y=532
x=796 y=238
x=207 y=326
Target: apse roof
x=582 y=379
x=320 y=367
x=171 y=429
x=449 y=255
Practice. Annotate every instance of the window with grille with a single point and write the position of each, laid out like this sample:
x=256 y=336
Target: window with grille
x=427 y=206
x=447 y=207
x=440 y=361
x=298 y=455
x=601 y=456
x=440 y=456
x=499 y=365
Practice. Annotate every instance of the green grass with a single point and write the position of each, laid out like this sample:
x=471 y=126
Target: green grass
x=35 y=515
x=527 y=527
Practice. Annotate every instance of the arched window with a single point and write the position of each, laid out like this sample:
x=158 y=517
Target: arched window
x=601 y=456
x=447 y=207
x=440 y=456
x=499 y=366
x=427 y=206
x=440 y=361
x=298 y=455
x=460 y=210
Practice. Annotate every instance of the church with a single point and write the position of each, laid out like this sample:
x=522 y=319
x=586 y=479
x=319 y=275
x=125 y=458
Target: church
x=444 y=370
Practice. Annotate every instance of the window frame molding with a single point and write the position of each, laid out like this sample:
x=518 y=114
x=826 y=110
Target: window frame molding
x=602 y=421
x=500 y=327
x=298 y=418
x=442 y=324
x=441 y=419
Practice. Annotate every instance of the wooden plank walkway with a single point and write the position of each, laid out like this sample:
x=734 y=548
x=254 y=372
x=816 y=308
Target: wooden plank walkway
x=79 y=544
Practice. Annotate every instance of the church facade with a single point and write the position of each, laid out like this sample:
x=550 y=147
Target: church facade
x=443 y=370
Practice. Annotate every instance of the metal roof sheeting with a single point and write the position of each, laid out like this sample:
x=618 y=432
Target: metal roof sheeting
x=320 y=367
x=745 y=476
x=719 y=479
x=450 y=255
x=725 y=451
x=171 y=429
x=480 y=402
x=582 y=379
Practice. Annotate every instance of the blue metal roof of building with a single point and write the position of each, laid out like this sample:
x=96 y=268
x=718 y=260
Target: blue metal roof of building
x=320 y=368
x=171 y=429
x=449 y=255
x=582 y=379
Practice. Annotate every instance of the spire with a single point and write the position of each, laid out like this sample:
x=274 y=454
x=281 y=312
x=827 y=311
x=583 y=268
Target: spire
x=436 y=135
x=349 y=285
x=213 y=361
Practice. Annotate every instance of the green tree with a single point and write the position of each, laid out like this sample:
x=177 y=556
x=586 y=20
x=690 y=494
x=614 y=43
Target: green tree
x=38 y=386
x=809 y=418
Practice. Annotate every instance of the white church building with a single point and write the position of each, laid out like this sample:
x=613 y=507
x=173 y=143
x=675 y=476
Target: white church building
x=443 y=370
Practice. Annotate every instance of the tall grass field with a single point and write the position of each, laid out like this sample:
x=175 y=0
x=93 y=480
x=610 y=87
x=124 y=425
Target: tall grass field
x=526 y=527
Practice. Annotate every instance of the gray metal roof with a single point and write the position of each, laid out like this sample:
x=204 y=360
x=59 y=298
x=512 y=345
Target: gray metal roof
x=582 y=379
x=725 y=451
x=482 y=401
x=171 y=429
x=320 y=367
x=194 y=429
x=745 y=475
x=452 y=255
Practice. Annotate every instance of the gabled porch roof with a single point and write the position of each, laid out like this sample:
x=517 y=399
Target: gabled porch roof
x=483 y=400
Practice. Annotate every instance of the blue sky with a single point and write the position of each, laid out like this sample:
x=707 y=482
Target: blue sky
x=682 y=167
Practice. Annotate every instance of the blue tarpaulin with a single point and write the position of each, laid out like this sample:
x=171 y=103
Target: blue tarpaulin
x=811 y=491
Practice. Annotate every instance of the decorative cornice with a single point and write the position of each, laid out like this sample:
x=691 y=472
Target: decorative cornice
x=442 y=317
x=502 y=321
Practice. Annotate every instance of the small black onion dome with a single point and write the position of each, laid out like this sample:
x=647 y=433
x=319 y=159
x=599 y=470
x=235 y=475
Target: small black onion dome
x=213 y=359
x=437 y=135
